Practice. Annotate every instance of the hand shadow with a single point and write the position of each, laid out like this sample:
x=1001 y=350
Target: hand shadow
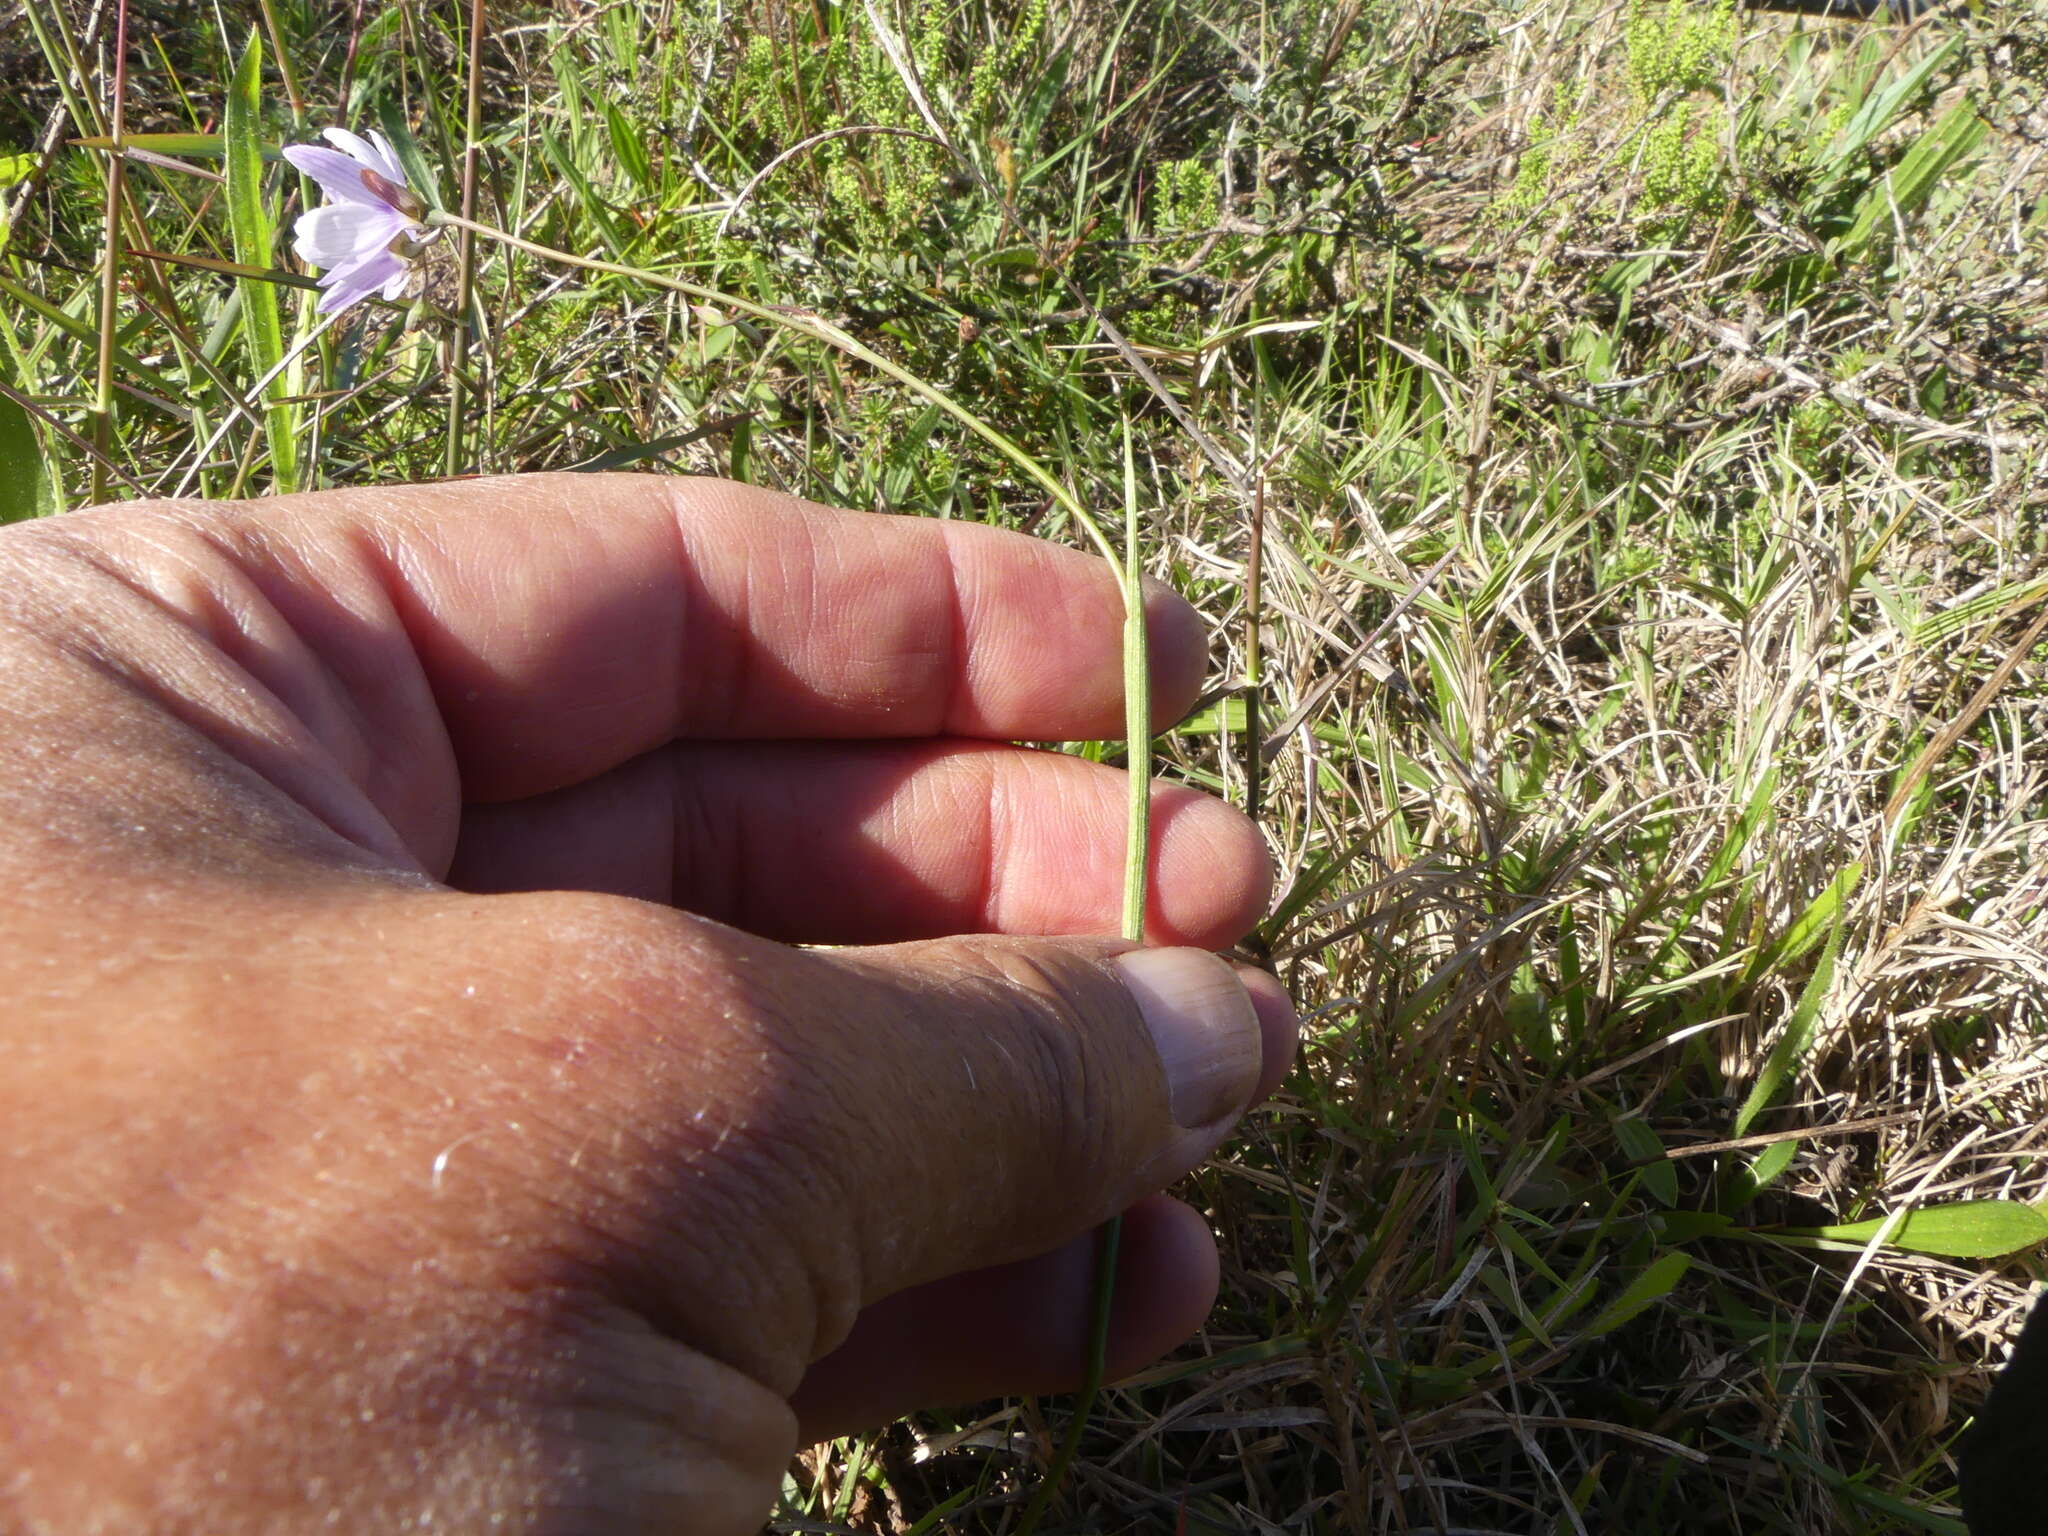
x=2004 y=1460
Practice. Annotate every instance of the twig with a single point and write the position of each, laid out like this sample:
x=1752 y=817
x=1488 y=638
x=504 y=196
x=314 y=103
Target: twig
x=1772 y=1138
x=110 y=266
x=1951 y=733
x=465 y=257
x=1730 y=337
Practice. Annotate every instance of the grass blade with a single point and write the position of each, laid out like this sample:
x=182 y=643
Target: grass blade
x=1791 y=1045
x=255 y=234
x=1641 y=1293
x=27 y=488
x=1914 y=178
x=1969 y=1229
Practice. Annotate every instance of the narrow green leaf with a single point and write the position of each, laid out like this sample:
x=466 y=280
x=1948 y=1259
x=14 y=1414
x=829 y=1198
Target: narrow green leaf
x=1910 y=182
x=1747 y=1183
x=1642 y=1145
x=1572 y=990
x=600 y=211
x=27 y=488
x=1792 y=1042
x=418 y=174
x=1851 y=1485
x=1877 y=111
x=255 y=233
x=208 y=146
x=934 y=1518
x=1981 y=609
x=1690 y=1226
x=627 y=454
x=1513 y=1299
x=1970 y=1229
x=134 y=368
x=1756 y=814
x=1806 y=930
x=276 y=276
x=627 y=146
x=1641 y=1293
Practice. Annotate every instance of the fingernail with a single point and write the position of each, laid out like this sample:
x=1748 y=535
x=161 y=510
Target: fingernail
x=1203 y=1026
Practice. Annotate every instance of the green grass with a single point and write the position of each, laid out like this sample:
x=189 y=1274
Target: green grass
x=1696 y=800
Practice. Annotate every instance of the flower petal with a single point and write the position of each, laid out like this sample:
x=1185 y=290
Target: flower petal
x=377 y=157
x=338 y=175
x=336 y=234
x=347 y=270
x=392 y=168
x=354 y=284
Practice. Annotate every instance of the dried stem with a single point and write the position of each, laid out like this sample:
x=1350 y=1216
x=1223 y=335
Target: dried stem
x=110 y=264
x=465 y=258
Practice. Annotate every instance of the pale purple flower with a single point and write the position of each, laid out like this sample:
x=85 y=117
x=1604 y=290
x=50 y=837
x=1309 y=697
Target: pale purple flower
x=368 y=238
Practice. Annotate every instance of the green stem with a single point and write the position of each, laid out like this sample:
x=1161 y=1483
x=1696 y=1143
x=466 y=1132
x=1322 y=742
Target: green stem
x=285 y=72
x=1091 y=1386
x=1254 y=651
x=803 y=323
x=1138 y=763
x=1137 y=707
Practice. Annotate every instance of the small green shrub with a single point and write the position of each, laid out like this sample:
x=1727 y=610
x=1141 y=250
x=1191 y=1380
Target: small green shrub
x=1681 y=160
x=1678 y=47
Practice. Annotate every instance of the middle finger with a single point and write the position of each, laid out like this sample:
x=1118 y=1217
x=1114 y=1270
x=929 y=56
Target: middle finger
x=875 y=843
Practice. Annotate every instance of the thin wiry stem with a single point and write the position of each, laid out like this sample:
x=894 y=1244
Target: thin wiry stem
x=1137 y=725
x=285 y=72
x=1137 y=871
x=1137 y=705
x=1254 y=648
x=110 y=265
x=1137 y=861
x=465 y=258
x=804 y=323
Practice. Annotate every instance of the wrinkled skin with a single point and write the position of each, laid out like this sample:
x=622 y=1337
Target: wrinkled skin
x=415 y=1115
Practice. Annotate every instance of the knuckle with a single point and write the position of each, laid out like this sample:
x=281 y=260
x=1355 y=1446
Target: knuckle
x=673 y=1113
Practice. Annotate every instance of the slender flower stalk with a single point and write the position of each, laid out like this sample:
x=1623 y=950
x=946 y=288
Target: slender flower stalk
x=1137 y=874
x=804 y=323
x=1137 y=704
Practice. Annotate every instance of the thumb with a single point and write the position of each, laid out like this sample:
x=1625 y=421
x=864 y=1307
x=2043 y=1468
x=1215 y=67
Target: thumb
x=876 y=1119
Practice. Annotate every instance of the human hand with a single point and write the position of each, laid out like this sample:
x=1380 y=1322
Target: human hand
x=414 y=1115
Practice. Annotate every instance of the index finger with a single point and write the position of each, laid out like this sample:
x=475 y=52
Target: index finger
x=566 y=623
